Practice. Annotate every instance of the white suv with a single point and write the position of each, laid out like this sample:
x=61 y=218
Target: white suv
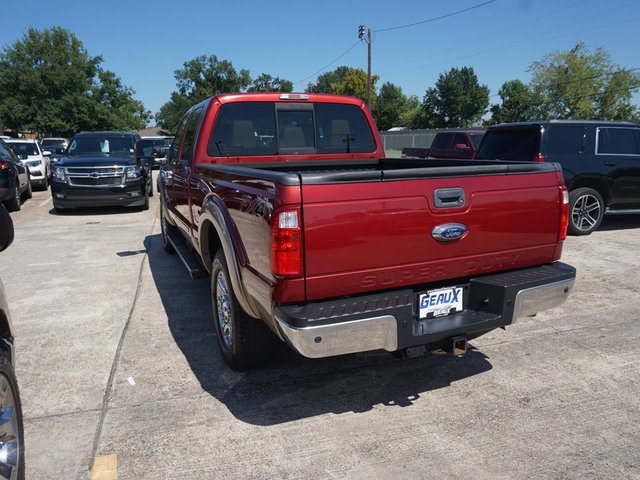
x=38 y=162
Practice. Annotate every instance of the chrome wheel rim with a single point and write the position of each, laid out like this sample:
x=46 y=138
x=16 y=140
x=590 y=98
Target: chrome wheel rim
x=586 y=212
x=10 y=441
x=163 y=226
x=223 y=304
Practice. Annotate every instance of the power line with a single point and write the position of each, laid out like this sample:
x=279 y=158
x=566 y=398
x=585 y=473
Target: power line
x=331 y=63
x=435 y=18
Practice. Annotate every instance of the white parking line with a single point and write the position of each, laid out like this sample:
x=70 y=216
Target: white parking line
x=21 y=219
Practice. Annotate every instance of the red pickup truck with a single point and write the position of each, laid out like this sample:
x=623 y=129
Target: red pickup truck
x=456 y=144
x=312 y=237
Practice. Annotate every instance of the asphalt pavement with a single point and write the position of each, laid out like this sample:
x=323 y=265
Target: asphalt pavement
x=120 y=376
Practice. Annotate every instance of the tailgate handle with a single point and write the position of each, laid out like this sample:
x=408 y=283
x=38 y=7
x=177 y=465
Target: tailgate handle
x=448 y=197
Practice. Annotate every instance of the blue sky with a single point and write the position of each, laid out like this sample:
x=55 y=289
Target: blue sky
x=145 y=42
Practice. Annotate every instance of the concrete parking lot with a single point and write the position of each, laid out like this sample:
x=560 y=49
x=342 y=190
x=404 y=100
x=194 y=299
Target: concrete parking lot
x=116 y=361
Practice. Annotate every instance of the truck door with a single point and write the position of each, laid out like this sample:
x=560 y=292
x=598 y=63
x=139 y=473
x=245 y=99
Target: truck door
x=168 y=170
x=618 y=149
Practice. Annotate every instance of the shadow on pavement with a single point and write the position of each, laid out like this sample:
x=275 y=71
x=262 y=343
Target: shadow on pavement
x=90 y=211
x=619 y=222
x=292 y=387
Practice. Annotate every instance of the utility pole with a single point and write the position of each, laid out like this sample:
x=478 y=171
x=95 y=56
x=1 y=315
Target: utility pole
x=368 y=40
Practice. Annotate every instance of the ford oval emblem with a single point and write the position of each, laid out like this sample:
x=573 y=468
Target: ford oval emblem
x=449 y=232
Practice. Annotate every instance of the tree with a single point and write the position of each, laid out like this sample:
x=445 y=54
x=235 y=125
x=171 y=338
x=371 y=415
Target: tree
x=50 y=84
x=579 y=84
x=266 y=83
x=457 y=100
x=355 y=84
x=324 y=82
x=390 y=105
x=519 y=104
x=199 y=79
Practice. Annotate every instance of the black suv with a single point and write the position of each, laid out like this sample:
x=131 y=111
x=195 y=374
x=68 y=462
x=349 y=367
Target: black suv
x=15 y=184
x=600 y=162
x=101 y=169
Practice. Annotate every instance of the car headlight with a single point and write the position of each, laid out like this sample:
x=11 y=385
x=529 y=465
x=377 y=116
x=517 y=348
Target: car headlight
x=132 y=173
x=58 y=174
x=34 y=163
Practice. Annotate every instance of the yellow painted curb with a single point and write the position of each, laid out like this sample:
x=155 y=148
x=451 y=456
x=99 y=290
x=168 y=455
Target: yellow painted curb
x=105 y=468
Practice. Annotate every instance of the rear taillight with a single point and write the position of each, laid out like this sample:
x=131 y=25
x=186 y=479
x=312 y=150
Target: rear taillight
x=286 y=244
x=538 y=158
x=564 y=215
x=4 y=165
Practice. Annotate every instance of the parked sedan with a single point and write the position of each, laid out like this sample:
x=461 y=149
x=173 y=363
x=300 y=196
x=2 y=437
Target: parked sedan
x=15 y=184
x=11 y=422
x=36 y=160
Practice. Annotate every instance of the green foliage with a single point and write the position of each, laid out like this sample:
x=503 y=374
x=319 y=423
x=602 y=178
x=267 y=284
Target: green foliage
x=457 y=100
x=579 y=84
x=391 y=104
x=199 y=79
x=50 y=84
x=324 y=82
x=519 y=104
x=266 y=83
x=355 y=84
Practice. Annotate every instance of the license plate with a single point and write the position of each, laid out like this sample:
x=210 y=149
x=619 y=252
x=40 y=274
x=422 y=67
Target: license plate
x=441 y=302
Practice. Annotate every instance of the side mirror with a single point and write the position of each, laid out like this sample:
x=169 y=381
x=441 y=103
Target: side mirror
x=462 y=146
x=6 y=228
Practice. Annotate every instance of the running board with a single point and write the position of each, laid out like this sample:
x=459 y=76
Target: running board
x=611 y=211
x=188 y=257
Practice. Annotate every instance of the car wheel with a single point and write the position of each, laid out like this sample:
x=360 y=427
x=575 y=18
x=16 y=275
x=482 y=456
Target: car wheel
x=13 y=204
x=150 y=183
x=145 y=205
x=11 y=424
x=165 y=227
x=29 y=191
x=244 y=342
x=586 y=211
x=45 y=184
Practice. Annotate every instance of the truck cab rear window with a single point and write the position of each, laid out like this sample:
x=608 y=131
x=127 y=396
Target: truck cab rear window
x=513 y=144
x=261 y=128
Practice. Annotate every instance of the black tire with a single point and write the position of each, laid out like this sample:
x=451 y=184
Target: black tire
x=165 y=228
x=244 y=341
x=145 y=205
x=586 y=211
x=150 y=183
x=12 y=428
x=13 y=204
x=28 y=193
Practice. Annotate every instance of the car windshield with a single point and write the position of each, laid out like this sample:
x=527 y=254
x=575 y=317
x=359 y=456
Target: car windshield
x=101 y=145
x=22 y=149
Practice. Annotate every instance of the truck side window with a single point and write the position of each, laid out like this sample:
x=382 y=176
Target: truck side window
x=190 y=136
x=172 y=157
x=621 y=141
x=565 y=140
x=442 y=141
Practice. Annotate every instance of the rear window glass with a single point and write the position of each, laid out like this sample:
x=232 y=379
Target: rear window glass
x=510 y=144
x=621 y=141
x=261 y=128
x=565 y=140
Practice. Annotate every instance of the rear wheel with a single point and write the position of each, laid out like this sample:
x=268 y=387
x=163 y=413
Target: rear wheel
x=28 y=193
x=13 y=204
x=165 y=227
x=586 y=211
x=11 y=428
x=244 y=342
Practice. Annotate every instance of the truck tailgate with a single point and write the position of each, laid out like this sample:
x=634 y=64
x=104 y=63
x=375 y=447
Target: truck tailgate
x=377 y=235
